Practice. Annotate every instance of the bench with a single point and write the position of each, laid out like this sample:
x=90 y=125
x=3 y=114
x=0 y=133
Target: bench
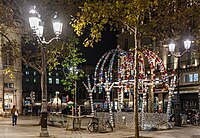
x=57 y=117
x=77 y=123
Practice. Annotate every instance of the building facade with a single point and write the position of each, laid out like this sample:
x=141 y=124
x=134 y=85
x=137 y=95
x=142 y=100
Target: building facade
x=31 y=85
x=189 y=74
x=10 y=81
x=18 y=82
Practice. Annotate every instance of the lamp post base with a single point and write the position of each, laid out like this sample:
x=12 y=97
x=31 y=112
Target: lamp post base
x=44 y=132
x=177 y=114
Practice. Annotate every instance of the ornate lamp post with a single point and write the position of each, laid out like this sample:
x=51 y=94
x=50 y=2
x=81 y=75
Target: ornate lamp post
x=36 y=25
x=178 y=55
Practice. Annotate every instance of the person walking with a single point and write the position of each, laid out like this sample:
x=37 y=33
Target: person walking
x=14 y=113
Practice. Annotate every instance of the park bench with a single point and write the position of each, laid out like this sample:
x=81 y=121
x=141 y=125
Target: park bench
x=57 y=118
x=77 y=122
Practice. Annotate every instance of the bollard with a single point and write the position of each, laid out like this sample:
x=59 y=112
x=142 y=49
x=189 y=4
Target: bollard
x=124 y=119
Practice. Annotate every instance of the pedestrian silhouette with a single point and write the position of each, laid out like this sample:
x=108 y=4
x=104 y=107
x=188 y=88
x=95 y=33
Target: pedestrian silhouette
x=14 y=113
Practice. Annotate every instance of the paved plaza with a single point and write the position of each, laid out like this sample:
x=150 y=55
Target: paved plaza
x=27 y=127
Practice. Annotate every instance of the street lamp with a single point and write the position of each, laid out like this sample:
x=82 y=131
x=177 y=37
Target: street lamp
x=37 y=26
x=178 y=55
x=57 y=93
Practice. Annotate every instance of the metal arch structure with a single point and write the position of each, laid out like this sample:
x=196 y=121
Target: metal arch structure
x=125 y=66
x=120 y=63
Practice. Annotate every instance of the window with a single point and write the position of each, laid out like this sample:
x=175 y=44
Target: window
x=126 y=95
x=9 y=85
x=57 y=81
x=57 y=74
x=191 y=77
x=27 y=79
x=34 y=73
x=196 y=77
x=50 y=80
x=192 y=57
x=170 y=62
x=27 y=72
x=7 y=55
x=34 y=80
x=185 y=78
x=126 y=44
x=49 y=73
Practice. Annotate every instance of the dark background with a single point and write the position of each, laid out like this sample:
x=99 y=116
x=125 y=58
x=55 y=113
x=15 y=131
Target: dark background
x=93 y=54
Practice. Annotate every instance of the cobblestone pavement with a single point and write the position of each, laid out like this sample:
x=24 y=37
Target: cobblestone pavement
x=27 y=128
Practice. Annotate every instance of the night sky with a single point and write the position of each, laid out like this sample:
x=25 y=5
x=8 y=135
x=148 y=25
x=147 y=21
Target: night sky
x=92 y=55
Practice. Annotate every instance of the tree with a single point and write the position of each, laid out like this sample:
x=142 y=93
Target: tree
x=71 y=66
x=116 y=13
x=150 y=18
x=175 y=20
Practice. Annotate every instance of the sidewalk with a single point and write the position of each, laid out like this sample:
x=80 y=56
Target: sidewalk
x=27 y=127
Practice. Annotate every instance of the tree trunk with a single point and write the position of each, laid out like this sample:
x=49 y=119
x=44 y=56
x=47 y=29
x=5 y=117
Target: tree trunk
x=91 y=101
x=150 y=100
x=169 y=107
x=143 y=110
x=108 y=99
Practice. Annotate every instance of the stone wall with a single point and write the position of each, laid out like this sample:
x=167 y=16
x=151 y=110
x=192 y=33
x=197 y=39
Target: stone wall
x=126 y=120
